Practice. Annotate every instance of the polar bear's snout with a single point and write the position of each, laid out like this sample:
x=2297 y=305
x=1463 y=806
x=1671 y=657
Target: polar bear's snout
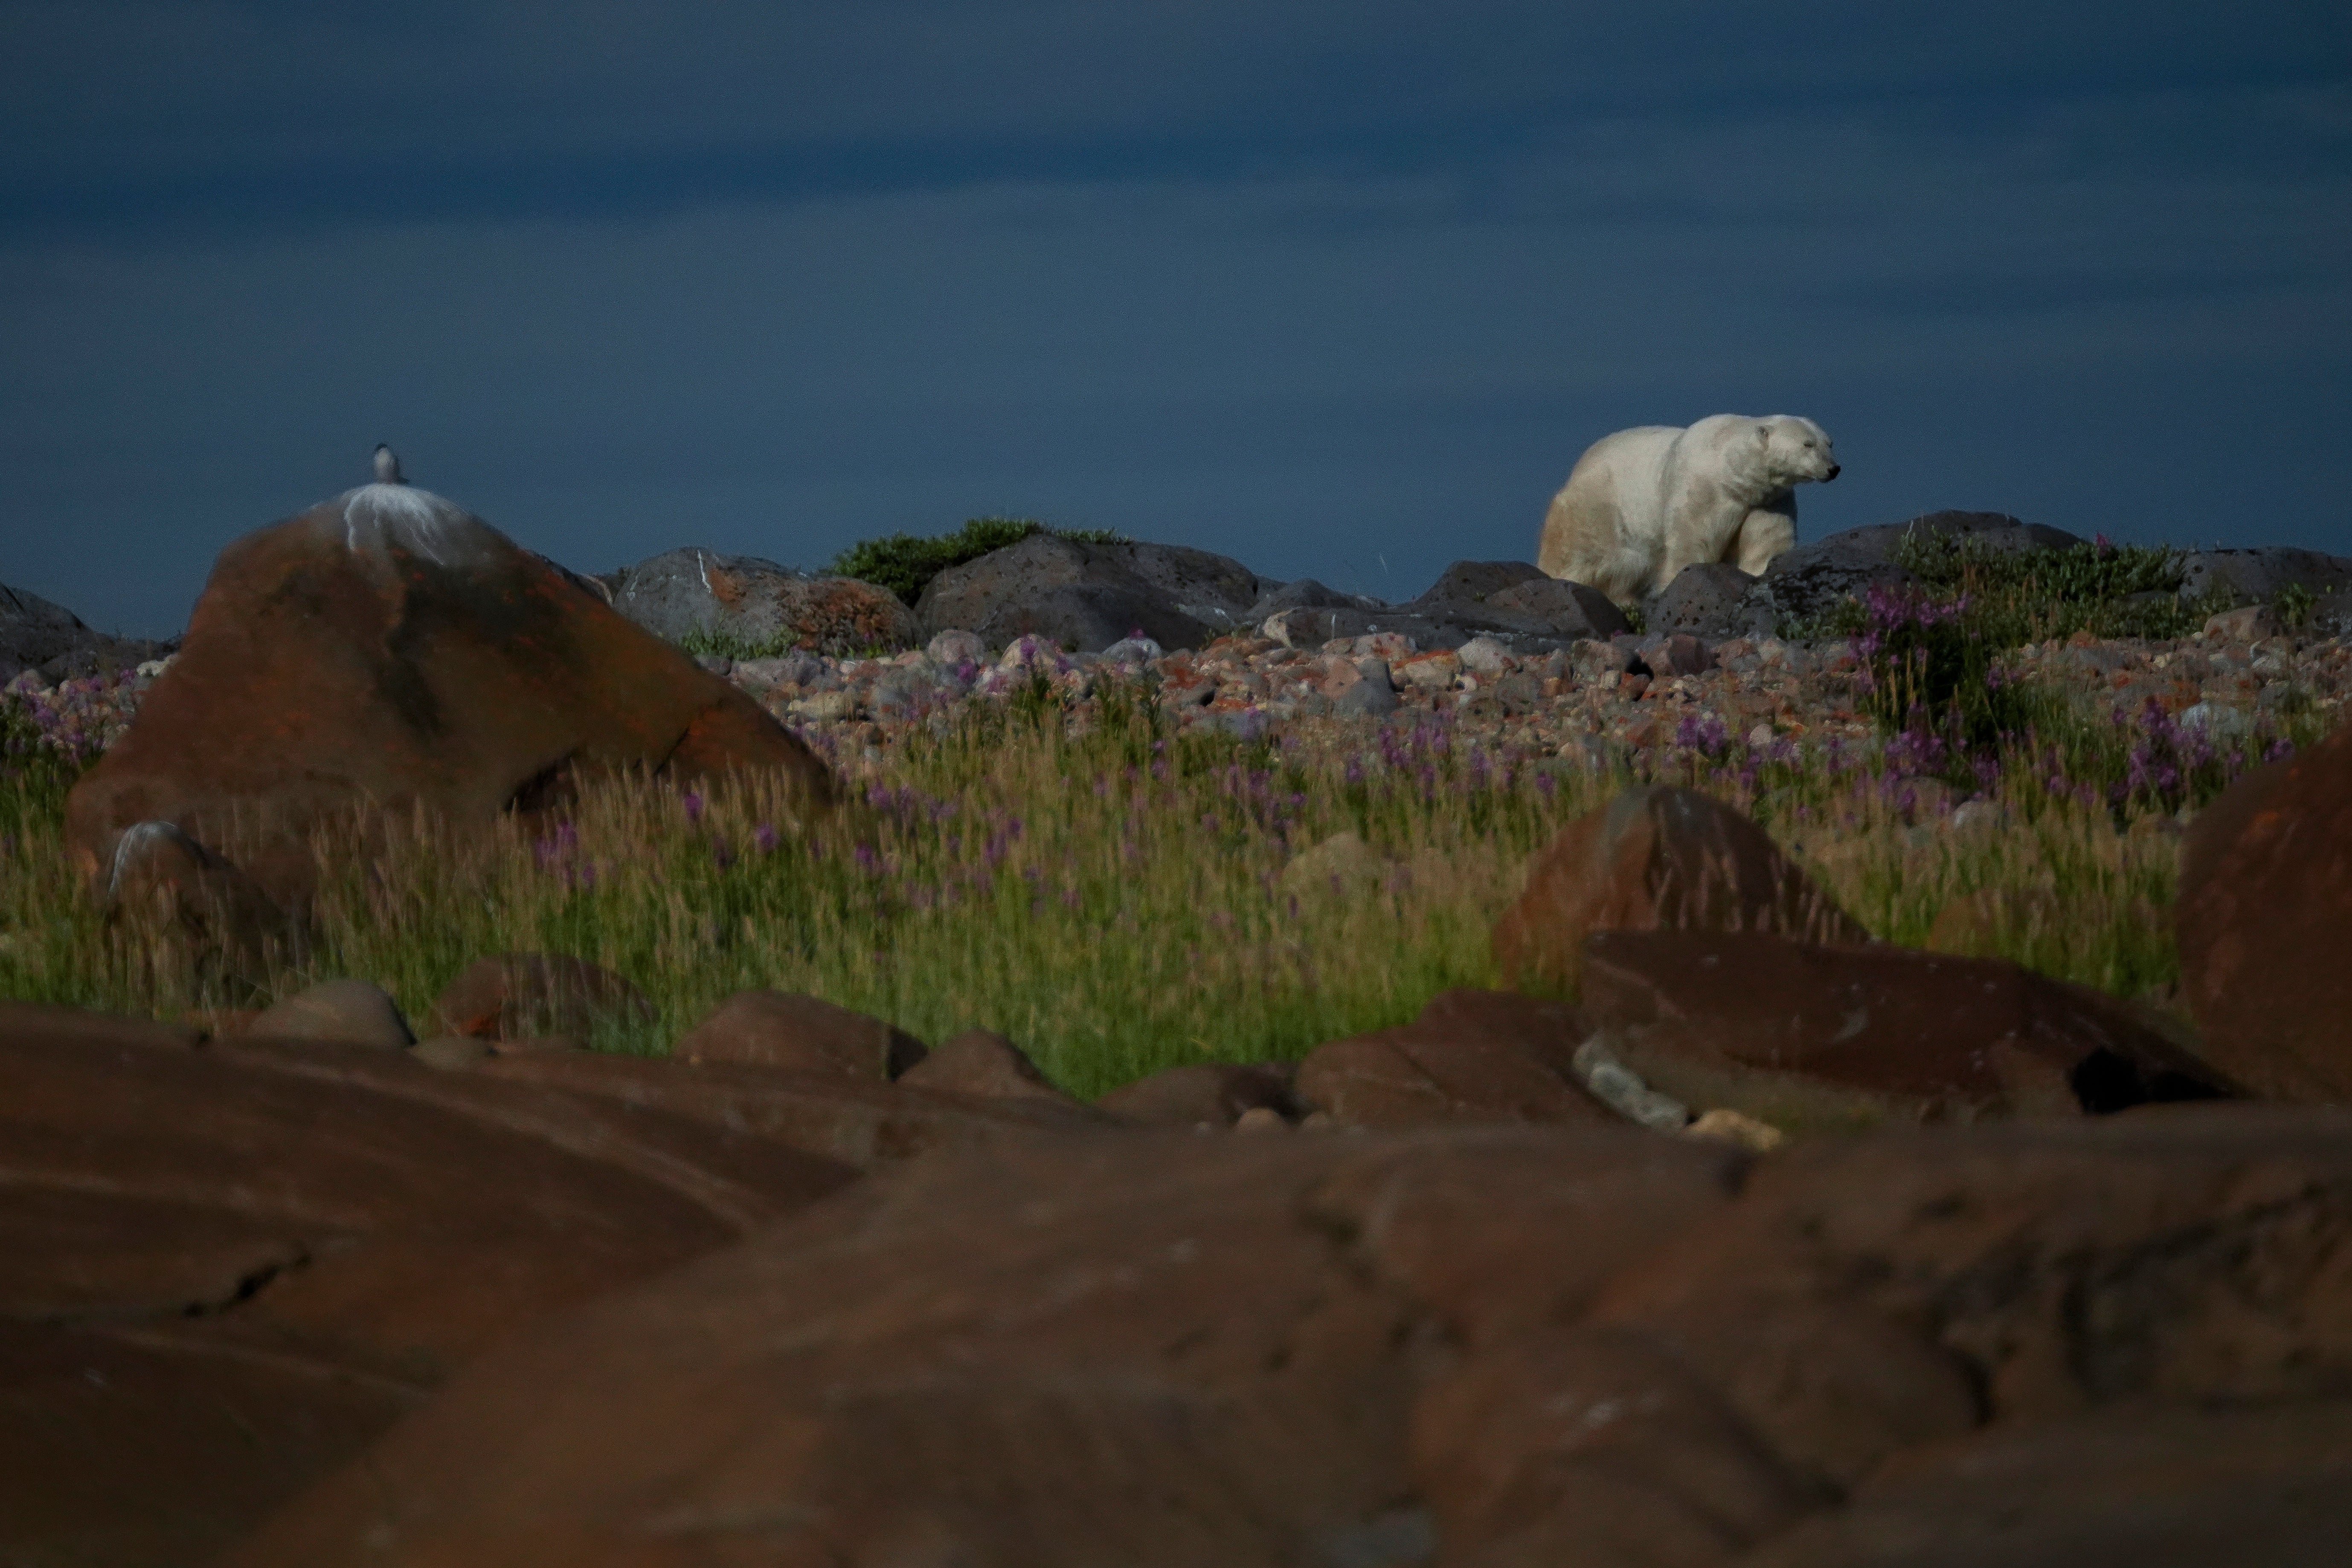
x=1834 y=472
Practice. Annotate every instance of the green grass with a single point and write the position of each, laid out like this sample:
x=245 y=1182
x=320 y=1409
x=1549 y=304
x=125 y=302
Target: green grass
x=905 y=562
x=1110 y=899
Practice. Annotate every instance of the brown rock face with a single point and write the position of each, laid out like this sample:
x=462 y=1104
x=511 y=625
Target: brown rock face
x=224 y=1269
x=2264 y=919
x=1802 y=1034
x=1125 y=1349
x=386 y=648
x=1472 y=1055
x=859 y=1121
x=805 y=1034
x=1217 y=1093
x=2065 y=1342
x=984 y=1063
x=527 y=995
x=1656 y=859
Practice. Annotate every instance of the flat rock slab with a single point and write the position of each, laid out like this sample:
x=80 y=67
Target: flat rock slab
x=224 y=1268
x=1470 y=1056
x=1803 y=1036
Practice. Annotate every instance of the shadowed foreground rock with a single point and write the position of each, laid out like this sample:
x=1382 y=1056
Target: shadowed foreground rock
x=1809 y=1038
x=1654 y=859
x=385 y=647
x=1470 y=1056
x=2264 y=921
x=1458 y=1347
x=224 y=1268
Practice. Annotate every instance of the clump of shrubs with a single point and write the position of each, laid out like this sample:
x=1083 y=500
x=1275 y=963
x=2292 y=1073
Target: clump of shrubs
x=905 y=563
x=2015 y=597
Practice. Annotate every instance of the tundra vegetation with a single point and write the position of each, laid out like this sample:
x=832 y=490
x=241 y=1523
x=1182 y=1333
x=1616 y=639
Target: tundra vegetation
x=1109 y=890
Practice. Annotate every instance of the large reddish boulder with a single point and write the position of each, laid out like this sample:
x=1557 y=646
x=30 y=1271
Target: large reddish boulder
x=1470 y=1056
x=2264 y=921
x=1656 y=859
x=1801 y=1035
x=808 y=1034
x=385 y=648
x=224 y=1269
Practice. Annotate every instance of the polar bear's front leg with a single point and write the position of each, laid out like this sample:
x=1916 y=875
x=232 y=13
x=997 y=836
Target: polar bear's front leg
x=1703 y=530
x=1762 y=535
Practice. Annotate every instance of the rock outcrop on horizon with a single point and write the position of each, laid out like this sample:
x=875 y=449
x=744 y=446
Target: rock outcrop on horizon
x=386 y=649
x=51 y=641
x=680 y=593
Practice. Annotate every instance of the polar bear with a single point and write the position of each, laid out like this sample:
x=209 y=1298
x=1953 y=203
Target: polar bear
x=1642 y=504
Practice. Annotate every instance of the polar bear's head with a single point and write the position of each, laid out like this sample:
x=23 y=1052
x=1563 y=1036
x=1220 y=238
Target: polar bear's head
x=1795 y=450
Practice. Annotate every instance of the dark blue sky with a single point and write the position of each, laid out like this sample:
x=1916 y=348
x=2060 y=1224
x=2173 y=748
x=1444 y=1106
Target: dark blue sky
x=1339 y=288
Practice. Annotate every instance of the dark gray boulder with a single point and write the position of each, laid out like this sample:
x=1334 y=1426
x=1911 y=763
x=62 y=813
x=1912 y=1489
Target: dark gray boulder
x=1092 y=595
x=683 y=592
x=54 y=643
x=1714 y=601
x=1567 y=610
x=1305 y=593
x=1467 y=584
x=1812 y=579
x=1215 y=590
x=2258 y=576
x=1514 y=603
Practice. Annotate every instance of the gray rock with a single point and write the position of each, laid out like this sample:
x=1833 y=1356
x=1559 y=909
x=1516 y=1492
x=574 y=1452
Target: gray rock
x=954 y=647
x=2257 y=577
x=1133 y=650
x=1812 y=579
x=1568 y=610
x=1484 y=653
x=1467 y=584
x=1714 y=601
x=1215 y=590
x=348 y=1010
x=1092 y=595
x=2331 y=617
x=1369 y=698
x=52 y=640
x=682 y=592
x=1511 y=601
x=1310 y=627
x=1306 y=593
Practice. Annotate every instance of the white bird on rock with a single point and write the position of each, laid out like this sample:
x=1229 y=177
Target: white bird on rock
x=387 y=466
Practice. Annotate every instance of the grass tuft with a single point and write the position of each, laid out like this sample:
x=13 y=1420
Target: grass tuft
x=905 y=563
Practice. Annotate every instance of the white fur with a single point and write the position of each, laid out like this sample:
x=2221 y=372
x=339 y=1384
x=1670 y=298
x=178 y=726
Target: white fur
x=1643 y=504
